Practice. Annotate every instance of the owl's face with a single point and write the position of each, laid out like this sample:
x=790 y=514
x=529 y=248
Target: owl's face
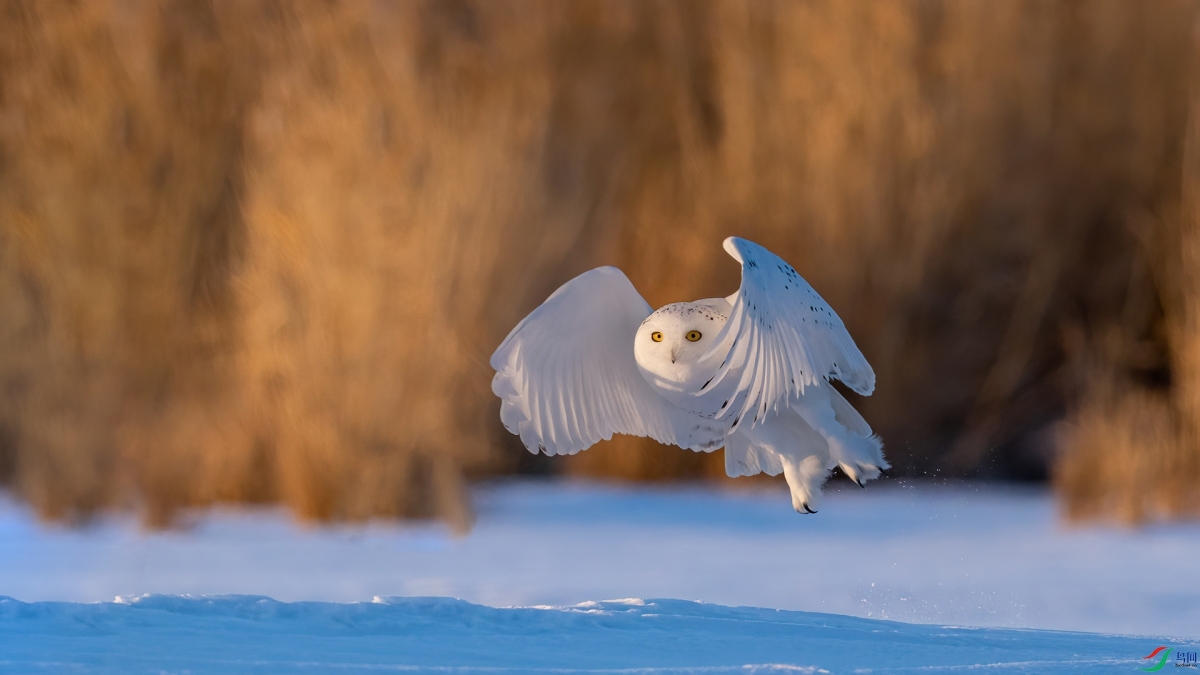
x=670 y=342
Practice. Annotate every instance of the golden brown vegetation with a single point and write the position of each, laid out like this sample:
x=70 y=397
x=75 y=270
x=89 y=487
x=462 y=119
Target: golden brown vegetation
x=1132 y=453
x=260 y=251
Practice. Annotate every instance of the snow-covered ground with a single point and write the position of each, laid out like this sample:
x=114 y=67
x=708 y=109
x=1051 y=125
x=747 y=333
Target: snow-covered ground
x=170 y=634
x=965 y=555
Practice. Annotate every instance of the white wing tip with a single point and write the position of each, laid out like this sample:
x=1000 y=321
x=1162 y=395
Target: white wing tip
x=863 y=384
x=731 y=247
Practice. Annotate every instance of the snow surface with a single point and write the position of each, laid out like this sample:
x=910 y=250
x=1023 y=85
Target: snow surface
x=965 y=555
x=240 y=634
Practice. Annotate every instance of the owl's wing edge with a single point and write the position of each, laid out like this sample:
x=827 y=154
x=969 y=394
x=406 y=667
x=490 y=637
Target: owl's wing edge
x=781 y=337
x=567 y=378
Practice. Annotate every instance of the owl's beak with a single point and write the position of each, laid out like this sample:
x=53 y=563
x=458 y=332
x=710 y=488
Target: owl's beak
x=673 y=350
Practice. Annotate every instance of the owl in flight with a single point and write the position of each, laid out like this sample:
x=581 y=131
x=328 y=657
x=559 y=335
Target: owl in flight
x=749 y=372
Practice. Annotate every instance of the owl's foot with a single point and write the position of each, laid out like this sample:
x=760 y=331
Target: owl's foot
x=804 y=479
x=805 y=503
x=860 y=472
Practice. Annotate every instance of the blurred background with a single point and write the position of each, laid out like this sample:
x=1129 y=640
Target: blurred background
x=258 y=251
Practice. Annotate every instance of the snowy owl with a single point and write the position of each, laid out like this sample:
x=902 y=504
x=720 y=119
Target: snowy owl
x=749 y=372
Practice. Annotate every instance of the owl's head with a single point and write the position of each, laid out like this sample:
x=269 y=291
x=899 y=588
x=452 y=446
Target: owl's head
x=670 y=342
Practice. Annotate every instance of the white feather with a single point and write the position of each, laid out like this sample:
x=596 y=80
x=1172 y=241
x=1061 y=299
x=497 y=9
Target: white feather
x=781 y=337
x=567 y=378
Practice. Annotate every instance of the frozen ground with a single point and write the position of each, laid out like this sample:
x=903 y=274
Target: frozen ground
x=927 y=554
x=942 y=555
x=170 y=634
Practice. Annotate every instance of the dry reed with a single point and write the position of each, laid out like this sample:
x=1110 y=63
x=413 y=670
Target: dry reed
x=258 y=251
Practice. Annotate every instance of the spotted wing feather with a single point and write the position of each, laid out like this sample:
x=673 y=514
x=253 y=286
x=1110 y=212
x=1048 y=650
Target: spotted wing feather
x=780 y=338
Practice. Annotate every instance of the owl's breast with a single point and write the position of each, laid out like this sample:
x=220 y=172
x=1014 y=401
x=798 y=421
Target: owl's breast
x=680 y=383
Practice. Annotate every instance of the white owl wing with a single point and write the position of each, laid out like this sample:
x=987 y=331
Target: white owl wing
x=567 y=378
x=780 y=338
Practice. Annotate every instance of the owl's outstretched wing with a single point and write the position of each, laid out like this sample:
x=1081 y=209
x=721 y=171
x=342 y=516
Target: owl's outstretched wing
x=780 y=338
x=567 y=378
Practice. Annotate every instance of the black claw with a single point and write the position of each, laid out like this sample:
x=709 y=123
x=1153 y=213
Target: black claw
x=807 y=509
x=860 y=484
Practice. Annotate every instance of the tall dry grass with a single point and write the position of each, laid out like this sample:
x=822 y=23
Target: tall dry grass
x=1131 y=452
x=259 y=251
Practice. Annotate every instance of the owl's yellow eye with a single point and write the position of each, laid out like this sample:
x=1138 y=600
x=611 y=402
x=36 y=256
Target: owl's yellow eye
x=693 y=335
x=656 y=336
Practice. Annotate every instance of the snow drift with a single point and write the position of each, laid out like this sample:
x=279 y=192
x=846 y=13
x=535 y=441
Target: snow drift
x=236 y=634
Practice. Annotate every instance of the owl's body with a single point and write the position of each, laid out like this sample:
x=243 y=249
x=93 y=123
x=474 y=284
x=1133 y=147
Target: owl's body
x=749 y=372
